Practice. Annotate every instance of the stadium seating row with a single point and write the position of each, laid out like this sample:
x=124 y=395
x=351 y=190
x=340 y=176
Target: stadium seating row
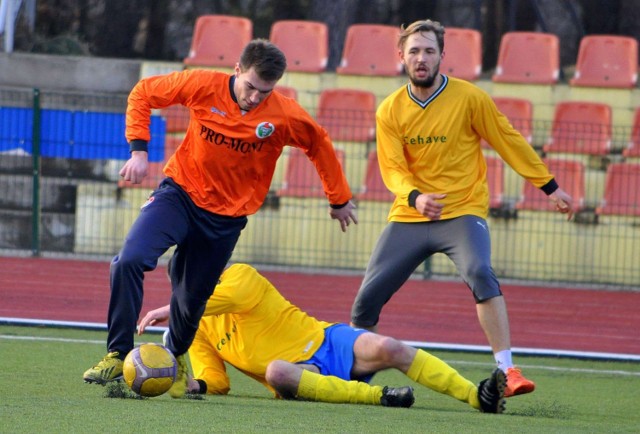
x=578 y=127
x=621 y=192
x=621 y=186
x=371 y=49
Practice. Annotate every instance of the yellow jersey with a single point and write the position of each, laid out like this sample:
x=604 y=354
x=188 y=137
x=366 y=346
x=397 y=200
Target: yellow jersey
x=248 y=324
x=434 y=146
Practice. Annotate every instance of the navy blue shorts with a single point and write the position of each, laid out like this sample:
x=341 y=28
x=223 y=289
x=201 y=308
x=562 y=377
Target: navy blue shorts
x=335 y=355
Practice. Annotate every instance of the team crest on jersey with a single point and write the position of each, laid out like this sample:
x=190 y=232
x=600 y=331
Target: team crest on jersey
x=264 y=130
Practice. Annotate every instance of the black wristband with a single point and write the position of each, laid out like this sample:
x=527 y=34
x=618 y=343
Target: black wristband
x=412 y=197
x=550 y=187
x=138 y=145
x=339 y=206
x=203 y=386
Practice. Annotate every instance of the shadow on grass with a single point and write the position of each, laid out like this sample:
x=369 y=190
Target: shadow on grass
x=118 y=389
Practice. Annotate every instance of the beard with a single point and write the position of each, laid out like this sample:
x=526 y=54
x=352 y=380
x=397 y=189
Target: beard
x=428 y=81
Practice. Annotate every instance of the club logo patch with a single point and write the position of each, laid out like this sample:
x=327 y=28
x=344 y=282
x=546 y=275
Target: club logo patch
x=264 y=130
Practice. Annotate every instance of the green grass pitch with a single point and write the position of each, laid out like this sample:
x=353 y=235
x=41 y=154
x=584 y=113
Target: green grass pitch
x=42 y=391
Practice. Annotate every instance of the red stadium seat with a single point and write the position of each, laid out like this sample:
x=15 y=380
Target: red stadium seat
x=218 y=40
x=462 y=53
x=569 y=174
x=301 y=177
x=495 y=180
x=374 y=188
x=348 y=114
x=621 y=190
x=633 y=149
x=304 y=43
x=607 y=61
x=580 y=128
x=371 y=49
x=528 y=57
x=519 y=111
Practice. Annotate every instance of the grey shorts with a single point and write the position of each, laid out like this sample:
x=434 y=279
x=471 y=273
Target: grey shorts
x=402 y=247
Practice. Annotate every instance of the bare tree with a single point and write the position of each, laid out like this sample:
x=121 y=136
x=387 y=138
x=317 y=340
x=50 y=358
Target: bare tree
x=325 y=11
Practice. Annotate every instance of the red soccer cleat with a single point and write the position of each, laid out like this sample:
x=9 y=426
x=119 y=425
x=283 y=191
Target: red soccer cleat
x=517 y=384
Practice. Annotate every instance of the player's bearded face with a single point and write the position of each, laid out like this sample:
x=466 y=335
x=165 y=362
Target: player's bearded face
x=421 y=57
x=423 y=75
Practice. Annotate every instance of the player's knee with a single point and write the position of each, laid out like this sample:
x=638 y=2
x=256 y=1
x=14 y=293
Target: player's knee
x=483 y=282
x=277 y=374
x=391 y=351
x=127 y=260
x=480 y=273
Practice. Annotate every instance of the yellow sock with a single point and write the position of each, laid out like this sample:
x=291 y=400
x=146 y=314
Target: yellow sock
x=432 y=372
x=316 y=387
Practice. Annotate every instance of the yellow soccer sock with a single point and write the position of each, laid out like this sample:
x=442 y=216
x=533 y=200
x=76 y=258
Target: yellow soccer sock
x=317 y=387
x=435 y=374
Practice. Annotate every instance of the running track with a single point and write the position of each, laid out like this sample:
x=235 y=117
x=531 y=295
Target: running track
x=565 y=319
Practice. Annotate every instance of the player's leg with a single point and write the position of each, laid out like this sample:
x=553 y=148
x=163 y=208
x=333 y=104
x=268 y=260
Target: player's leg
x=396 y=255
x=295 y=381
x=471 y=253
x=160 y=225
x=285 y=376
x=374 y=352
x=196 y=267
x=327 y=377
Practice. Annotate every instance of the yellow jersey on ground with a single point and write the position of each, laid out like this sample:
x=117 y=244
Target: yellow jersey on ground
x=248 y=324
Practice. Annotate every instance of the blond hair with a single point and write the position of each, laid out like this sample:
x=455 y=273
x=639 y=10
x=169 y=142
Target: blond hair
x=419 y=27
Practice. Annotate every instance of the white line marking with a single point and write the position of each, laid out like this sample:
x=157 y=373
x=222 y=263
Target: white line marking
x=49 y=339
x=452 y=362
x=553 y=368
x=418 y=344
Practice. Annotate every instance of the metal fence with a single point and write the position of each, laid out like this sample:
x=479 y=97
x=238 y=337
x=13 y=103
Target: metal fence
x=61 y=195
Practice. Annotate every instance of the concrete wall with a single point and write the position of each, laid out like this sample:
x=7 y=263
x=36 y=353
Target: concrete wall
x=72 y=73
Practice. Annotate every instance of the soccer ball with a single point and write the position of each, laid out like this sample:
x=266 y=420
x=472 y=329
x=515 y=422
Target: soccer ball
x=150 y=369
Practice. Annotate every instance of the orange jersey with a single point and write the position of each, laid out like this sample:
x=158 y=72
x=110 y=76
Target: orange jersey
x=227 y=159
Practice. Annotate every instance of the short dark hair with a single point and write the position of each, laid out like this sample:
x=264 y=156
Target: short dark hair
x=419 y=27
x=267 y=60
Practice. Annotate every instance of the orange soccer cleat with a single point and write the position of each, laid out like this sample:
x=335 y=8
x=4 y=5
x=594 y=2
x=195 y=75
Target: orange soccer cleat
x=517 y=384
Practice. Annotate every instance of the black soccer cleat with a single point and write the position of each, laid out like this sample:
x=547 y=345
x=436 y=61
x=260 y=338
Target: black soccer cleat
x=491 y=392
x=397 y=396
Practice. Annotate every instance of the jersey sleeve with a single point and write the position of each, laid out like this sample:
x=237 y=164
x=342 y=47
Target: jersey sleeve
x=207 y=364
x=157 y=92
x=314 y=140
x=496 y=129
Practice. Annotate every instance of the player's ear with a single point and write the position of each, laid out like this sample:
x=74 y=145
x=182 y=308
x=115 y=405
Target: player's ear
x=401 y=56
